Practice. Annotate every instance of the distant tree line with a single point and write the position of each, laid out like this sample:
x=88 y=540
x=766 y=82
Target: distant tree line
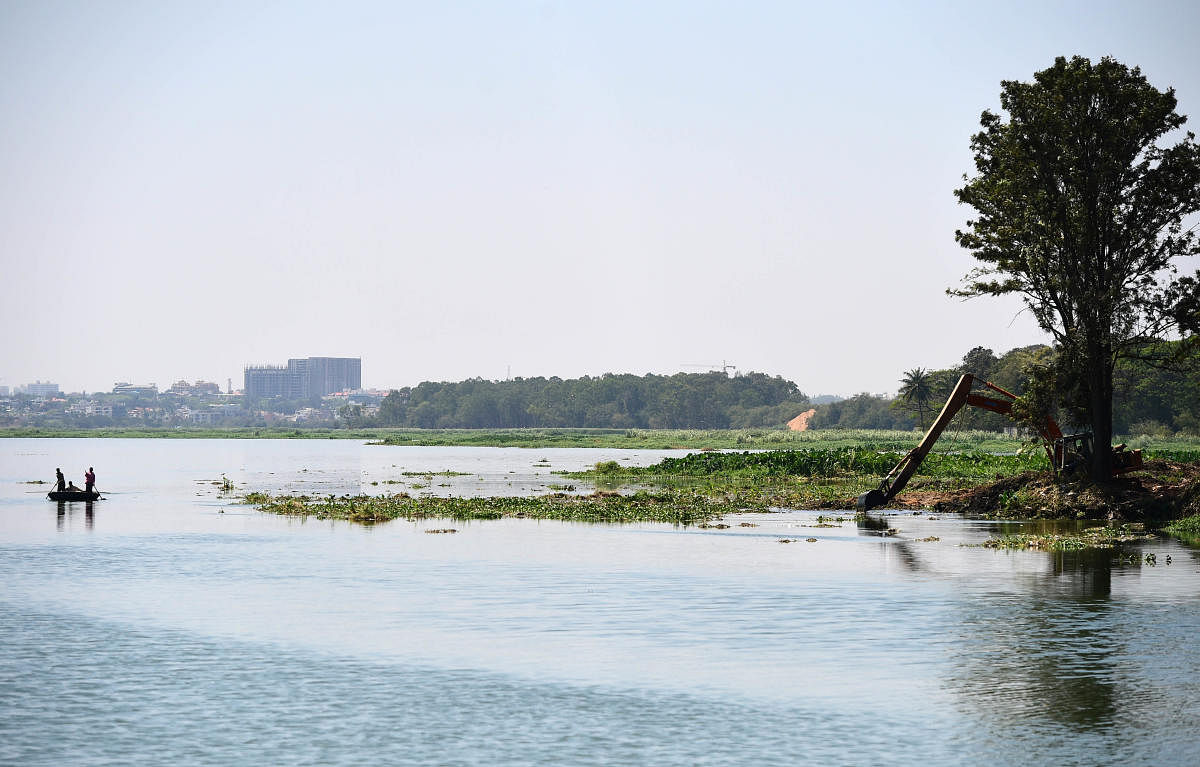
x=626 y=401
x=1148 y=400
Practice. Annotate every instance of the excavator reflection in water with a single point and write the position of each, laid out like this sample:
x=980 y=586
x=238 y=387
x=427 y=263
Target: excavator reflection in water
x=1066 y=453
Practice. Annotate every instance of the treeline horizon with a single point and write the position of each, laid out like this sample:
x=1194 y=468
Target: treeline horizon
x=1146 y=399
x=614 y=400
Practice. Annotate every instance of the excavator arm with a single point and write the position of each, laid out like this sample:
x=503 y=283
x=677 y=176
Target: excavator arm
x=898 y=477
x=1056 y=444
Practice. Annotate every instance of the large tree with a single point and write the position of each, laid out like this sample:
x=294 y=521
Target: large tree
x=1082 y=213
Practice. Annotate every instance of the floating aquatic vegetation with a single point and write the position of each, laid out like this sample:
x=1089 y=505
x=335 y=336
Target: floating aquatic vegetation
x=1091 y=538
x=826 y=462
x=443 y=473
x=675 y=507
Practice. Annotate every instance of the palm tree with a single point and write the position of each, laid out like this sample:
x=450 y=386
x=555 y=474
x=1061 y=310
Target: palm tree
x=916 y=389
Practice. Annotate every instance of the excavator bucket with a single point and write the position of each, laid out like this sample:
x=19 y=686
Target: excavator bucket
x=870 y=500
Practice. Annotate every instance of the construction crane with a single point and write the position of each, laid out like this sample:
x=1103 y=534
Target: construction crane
x=1066 y=453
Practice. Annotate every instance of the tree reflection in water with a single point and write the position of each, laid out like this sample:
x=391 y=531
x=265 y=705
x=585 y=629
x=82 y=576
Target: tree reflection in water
x=1046 y=647
x=1040 y=643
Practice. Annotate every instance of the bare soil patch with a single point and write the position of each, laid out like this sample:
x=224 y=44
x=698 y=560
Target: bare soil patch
x=1163 y=490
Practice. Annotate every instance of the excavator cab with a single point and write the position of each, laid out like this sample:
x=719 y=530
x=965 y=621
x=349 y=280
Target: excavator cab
x=1072 y=453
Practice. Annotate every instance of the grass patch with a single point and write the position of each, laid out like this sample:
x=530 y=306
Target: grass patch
x=693 y=439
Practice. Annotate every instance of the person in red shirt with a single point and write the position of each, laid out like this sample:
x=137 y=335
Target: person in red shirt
x=89 y=479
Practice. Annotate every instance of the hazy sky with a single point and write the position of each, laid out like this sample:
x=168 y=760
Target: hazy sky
x=451 y=190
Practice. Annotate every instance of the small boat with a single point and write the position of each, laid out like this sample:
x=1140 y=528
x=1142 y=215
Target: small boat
x=73 y=495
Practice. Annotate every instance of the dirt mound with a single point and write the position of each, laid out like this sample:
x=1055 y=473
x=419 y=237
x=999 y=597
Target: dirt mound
x=1162 y=490
x=800 y=422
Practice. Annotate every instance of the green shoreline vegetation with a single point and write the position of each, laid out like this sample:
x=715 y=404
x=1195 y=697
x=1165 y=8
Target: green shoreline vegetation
x=638 y=439
x=1188 y=528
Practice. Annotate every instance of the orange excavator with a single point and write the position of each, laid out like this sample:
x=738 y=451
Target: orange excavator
x=1066 y=453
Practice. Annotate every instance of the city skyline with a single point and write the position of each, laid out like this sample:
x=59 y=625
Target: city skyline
x=557 y=189
x=230 y=382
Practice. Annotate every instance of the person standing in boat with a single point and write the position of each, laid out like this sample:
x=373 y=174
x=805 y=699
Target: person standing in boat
x=89 y=479
x=60 y=480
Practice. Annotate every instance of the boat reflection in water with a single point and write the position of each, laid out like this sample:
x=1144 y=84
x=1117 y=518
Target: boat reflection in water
x=65 y=510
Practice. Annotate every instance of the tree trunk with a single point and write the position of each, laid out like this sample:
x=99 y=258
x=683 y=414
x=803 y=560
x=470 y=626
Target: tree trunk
x=1100 y=395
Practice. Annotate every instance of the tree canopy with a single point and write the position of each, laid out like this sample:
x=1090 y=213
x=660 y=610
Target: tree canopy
x=680 y=401
x=916 y=390
x=1081 y=212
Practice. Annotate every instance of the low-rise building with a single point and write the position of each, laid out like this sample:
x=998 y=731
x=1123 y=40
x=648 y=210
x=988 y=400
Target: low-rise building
x=141 y=390
x=90 y=407
x=198 y=389
x=313 y=414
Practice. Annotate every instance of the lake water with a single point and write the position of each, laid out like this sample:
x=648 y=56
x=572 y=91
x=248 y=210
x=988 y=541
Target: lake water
x=167 y=625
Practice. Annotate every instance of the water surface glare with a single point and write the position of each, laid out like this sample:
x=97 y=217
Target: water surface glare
x=168 y=625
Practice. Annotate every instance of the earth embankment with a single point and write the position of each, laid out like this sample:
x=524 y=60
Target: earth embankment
x=1163 y=490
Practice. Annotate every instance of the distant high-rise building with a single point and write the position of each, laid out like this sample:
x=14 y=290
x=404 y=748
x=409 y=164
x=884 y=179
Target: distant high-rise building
x=304 y=378
x=272 y=381
x=42 y=389
x=327 y=375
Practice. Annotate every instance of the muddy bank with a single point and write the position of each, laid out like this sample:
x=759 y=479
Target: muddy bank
x=1164 y=490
